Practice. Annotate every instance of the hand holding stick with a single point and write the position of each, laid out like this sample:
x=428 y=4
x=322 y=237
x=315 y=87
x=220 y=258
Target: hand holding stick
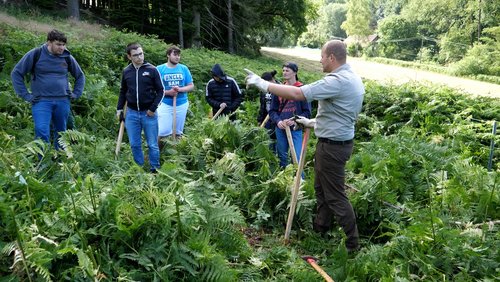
x=219 y=111
x=120 y=132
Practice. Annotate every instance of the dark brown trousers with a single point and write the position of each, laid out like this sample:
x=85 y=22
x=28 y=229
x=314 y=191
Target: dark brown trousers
x=329 y=166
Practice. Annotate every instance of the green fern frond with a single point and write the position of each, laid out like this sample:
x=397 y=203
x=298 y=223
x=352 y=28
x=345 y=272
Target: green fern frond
x=35 y=148
x=181 y=258
x=8 y=248
x=221 y=213
x=69 y=136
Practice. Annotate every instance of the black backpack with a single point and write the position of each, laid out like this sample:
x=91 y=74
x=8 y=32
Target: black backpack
x=38 y=52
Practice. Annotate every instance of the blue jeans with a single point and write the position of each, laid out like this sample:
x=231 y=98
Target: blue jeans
x=136 y=122
x=282 y=145
x=47 y=112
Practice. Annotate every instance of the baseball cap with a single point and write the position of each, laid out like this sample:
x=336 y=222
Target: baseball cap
x=291 y=65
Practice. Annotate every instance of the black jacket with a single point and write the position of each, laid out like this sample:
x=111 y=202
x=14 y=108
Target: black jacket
x=141 y=88
x=227 y=91
x=265 y=106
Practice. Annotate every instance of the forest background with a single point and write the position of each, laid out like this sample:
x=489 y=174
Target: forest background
x=461 y=35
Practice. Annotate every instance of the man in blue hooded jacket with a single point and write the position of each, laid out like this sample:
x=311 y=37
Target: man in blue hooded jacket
x=50 y=95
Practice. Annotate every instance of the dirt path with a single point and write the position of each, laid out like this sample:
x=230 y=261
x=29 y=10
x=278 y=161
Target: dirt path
x=309 y=59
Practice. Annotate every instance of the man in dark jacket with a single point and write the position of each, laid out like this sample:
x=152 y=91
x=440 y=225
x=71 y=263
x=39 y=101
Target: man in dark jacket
x=50 y=95
x=223 y=92
x=142 y=90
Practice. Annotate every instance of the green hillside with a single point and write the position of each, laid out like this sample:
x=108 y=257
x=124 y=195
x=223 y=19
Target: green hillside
x=424 y=181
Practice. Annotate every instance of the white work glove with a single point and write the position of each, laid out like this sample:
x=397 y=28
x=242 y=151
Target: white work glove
x=255 y=80
x=305 y=122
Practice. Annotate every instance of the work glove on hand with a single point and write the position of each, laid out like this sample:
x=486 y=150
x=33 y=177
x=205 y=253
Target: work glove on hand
x=120 y=116
x=255 y=80
x=304 y=122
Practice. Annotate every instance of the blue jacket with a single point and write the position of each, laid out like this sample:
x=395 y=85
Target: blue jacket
x=51 y=76
x=141 y=88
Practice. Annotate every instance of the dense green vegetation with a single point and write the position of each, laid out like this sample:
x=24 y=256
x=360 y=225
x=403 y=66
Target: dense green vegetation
x=456 y=37
x=426 y=204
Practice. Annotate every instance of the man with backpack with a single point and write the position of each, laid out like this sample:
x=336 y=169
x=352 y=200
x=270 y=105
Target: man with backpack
x=50 y=94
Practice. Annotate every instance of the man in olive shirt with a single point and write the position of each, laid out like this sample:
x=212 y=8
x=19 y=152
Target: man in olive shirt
x=340 y=97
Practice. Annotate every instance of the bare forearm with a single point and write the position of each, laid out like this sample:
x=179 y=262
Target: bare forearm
x=287 y=91
x=186 y=88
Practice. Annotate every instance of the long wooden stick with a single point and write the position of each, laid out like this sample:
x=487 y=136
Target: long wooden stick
x=120 y=132
x=291 y=145
x=325 y=275
x=174 y=118
x=264 y=121
x=218 y=112
x=298 y=177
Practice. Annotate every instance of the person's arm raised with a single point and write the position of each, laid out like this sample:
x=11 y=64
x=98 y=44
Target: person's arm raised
x=286 y=91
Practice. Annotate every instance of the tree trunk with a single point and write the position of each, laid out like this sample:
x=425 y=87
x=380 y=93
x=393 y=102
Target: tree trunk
x=230 y=28
x=181 y=36
x=74 y=9
x=197 y=27
x=479 y=22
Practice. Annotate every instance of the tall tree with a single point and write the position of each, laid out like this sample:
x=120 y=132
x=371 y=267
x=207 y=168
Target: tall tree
x=74 y=9
x=358 y=18
x=196 y=37
x=230 y=27
x=179 y=21
x=398 y=38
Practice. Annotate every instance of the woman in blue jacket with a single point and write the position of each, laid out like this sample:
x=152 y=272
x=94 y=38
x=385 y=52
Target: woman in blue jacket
x=282 y=113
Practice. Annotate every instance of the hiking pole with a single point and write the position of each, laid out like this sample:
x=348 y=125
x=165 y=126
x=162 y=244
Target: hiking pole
x=264 y=121
x=290 y=144
x=174 y=118
x=218 y=112
x=313 y=262
x=120 y=132
x=298 y=177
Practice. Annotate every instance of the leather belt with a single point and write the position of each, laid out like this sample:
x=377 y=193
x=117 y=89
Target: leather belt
x=334 y=142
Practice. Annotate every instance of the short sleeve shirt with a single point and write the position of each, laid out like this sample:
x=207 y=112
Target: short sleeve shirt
x=340 y=97
x=177 y=76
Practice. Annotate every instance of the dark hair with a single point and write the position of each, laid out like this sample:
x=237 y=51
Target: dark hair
x=173 y=48
x=269 y=75
x=133 y=46
x=55 y=34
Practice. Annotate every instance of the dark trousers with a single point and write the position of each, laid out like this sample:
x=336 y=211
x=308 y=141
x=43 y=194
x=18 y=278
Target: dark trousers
x=329 y=166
